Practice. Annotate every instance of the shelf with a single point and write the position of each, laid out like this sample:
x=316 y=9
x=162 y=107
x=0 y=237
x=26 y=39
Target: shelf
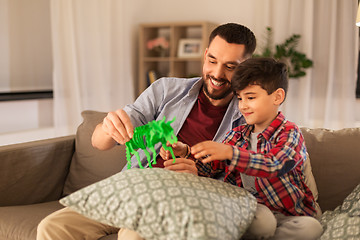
x=171 y=64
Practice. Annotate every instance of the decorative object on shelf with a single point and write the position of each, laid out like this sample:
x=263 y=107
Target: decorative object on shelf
x=159 y=46
x=190 y=48
x=152 y=76
x=286 y=52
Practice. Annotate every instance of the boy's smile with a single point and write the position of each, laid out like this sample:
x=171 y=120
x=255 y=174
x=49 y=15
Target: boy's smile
x=258 y=107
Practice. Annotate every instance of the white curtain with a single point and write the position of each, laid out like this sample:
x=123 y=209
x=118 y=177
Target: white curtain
x=325 y=97
x=92 y=69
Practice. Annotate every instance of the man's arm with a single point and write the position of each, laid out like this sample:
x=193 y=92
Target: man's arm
x=118 y=126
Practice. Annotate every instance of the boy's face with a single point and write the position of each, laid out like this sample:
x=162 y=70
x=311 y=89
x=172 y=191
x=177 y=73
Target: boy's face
x=258 y=107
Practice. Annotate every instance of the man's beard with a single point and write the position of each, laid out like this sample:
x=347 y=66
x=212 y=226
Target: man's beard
x=214 y=96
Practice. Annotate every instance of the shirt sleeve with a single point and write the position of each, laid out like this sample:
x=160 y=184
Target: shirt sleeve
x=145 y=108
x=276 y=159
x=214 y=169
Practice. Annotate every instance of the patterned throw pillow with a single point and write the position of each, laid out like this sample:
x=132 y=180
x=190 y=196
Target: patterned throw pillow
x=344 y=222
x=163 y=204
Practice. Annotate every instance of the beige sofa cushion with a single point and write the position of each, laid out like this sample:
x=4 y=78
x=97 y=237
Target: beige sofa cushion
x=20 y=222
x=34 y=172
x=88 y=164
x=311 y=183
x=335 y=161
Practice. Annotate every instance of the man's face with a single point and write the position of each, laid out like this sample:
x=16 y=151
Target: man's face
x=220 y=61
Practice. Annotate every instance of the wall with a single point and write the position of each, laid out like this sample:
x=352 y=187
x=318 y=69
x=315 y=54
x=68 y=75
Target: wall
x=241 y=11
x=26 y=120
x=140 y=11
x=25 y=45
x=25 y=65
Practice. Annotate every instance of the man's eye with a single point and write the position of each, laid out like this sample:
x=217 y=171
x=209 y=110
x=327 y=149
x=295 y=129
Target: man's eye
x=230 y=67
x=239 y=98
x=251 y=98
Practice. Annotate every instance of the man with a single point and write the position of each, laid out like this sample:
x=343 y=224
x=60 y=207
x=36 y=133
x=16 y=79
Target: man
x=205 y=109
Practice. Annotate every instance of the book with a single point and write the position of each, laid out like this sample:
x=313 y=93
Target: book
x=151 y=76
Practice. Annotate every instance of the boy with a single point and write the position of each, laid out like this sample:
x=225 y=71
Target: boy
x=266 y=155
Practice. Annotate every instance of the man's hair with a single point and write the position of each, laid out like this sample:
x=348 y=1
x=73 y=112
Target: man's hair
x=236 y=33
x=268 y=73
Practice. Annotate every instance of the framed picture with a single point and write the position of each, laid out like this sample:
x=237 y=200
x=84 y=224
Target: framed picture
x=190 y=48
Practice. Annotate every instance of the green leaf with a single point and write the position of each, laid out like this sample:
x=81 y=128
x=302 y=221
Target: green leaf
x=286 y=52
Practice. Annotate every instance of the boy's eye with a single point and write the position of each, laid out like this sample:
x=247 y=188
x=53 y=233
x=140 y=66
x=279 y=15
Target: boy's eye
x=251 y=98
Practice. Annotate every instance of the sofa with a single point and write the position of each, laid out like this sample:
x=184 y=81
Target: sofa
x=35 y=175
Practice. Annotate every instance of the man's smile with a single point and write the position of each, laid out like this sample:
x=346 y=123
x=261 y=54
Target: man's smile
x=218 y=84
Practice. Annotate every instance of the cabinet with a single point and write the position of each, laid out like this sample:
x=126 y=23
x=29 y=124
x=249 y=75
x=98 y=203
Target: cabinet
x=169 y=62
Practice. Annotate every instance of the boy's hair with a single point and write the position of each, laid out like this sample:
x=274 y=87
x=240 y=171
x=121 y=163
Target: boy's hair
x=268 y=73
x=236 y=33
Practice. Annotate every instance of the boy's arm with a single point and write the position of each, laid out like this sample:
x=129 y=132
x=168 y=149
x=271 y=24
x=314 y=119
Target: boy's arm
x=283 y=156
x=280 y=159
x=212 y=170
x=211 y=152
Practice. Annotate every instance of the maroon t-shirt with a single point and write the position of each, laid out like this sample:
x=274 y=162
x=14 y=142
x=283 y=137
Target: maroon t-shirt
x=201 y=124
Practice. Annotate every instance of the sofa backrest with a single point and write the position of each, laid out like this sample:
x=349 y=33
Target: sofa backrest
x=334 y=155
x=89 y=165
x=335 y=161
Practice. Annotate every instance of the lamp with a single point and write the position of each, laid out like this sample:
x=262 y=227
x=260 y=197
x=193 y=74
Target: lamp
x=358 y=17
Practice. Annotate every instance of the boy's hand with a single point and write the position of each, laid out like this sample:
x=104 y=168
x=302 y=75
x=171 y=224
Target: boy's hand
x=179 y=149
x=210 y=151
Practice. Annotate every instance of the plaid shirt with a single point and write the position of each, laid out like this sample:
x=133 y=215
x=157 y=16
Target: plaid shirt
x=277 y=166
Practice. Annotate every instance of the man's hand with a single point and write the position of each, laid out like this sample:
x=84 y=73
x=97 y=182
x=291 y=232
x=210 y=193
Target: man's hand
x=181 y=165
x=180 y=149
x=209 y=151
x=116 y=127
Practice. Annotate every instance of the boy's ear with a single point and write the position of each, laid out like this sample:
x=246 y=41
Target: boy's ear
x=279 y=96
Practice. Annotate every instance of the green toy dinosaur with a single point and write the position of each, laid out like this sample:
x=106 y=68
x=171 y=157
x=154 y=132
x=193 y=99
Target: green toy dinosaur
x=147 y=136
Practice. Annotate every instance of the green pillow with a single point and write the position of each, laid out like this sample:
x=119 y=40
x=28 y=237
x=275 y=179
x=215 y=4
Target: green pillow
x=163 y=204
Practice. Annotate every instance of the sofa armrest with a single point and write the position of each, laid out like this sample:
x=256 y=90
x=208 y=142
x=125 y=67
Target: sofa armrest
x=34 y=172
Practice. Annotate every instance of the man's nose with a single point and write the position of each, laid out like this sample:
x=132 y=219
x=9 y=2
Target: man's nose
x=218 y=72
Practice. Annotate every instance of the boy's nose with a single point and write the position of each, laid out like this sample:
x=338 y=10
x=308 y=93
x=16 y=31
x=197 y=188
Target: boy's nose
x=242 y=106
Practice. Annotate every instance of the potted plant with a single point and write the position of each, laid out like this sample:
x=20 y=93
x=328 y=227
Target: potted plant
x=159 y=46
x=286 y=52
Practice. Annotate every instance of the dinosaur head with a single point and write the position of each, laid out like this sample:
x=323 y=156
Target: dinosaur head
x=168 y=131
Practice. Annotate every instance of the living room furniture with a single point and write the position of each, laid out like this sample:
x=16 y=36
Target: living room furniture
x=171 y=64
x=35 y=175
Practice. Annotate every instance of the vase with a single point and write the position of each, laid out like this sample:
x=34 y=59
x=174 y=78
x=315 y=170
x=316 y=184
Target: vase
x=159 y=52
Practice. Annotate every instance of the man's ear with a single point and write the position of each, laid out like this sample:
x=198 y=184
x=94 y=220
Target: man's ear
x=279 y=96
x=205 y=52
